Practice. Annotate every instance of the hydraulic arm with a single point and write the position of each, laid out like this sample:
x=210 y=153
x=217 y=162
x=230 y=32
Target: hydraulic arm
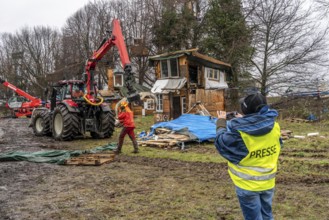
x=17 y=90
x=115 y=39
x=27 y=107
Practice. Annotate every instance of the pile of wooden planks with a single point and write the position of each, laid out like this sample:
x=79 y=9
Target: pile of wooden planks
x=90 y=159
x=164 y=138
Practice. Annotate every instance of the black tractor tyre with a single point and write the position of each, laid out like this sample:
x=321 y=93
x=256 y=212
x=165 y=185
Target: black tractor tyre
x=111 y=127
x=65 y=124
x=41 y=123
x=105 y=125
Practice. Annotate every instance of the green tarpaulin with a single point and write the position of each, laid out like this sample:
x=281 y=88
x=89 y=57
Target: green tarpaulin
x=51 y=156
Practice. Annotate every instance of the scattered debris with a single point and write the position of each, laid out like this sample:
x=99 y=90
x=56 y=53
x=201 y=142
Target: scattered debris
x=200 y=109
x=164 y=138
x=286 y=134
x=297 y=120
x=185 y=128
x=313 y=134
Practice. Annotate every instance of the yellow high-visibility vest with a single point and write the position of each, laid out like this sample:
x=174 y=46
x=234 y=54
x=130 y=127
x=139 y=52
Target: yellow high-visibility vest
x=256 y=171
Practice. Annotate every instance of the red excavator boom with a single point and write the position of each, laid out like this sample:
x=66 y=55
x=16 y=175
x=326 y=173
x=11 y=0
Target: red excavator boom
x=115 y=39
x=26 y=108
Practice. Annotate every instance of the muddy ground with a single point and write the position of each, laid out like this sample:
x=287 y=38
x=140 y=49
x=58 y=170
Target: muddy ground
x=134 y=187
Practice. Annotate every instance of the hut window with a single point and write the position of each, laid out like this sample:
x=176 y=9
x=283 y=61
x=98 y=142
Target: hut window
x=118 y=80
x=164 y=69
x=173 y=68
x=159 y=107
x=169 y=68
x=212 y=74
x=149 y=104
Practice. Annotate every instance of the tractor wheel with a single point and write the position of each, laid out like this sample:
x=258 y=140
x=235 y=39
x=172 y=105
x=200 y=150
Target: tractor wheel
x=65 y=124
x=105 y=125
x=111 y=125
x=41 y=123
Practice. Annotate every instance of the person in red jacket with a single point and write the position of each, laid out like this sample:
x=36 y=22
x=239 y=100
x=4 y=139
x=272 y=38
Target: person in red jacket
x=126 y=118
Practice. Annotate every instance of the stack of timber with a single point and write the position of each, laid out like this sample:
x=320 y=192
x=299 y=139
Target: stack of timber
x=90 y=159
x=164 y=138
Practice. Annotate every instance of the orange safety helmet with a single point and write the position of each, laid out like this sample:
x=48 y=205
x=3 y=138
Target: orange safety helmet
x=123 y=104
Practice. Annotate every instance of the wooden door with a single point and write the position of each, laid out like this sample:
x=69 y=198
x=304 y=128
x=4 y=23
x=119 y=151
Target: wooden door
x=177 y=110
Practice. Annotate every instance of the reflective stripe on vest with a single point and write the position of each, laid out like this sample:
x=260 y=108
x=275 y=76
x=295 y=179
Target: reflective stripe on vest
x=249 y=177
x=256 y=171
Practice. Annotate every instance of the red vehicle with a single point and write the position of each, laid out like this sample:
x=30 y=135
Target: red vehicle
x=70 y=116
x=23 y=104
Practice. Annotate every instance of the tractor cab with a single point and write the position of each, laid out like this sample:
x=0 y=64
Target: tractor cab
x=70 y=89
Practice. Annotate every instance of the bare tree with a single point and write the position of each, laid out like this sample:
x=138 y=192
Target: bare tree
x=85 y=30
x=139 y=34
x=322 y=6
x=29 y=55
x=289 y=45
x=41 y=48
x=6 y=67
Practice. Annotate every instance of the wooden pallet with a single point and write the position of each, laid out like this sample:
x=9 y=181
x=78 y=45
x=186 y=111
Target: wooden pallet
x=90 y=159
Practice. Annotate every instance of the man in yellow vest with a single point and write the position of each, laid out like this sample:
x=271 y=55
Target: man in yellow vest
x=251 y=144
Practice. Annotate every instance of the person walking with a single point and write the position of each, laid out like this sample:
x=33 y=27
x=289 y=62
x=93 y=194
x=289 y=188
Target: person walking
x=251 y=144
x=126 y=118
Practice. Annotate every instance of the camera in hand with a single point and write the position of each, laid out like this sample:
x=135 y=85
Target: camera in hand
x=231 y=115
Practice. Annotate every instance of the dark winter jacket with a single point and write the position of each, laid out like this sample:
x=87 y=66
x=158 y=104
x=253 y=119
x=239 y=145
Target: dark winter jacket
x=229 y=142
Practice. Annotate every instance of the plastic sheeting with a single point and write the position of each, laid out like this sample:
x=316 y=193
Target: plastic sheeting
x=164 y=86
x=202 y=128
x=212 y=84
x=52 y=156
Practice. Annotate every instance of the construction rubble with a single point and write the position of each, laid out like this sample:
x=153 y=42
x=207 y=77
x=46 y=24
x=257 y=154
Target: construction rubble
x=164 y=138
x=194 y=128
x=186 y=128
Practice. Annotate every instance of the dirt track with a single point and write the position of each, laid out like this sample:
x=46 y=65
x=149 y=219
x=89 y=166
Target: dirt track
x=48 y=191
x=131 y=187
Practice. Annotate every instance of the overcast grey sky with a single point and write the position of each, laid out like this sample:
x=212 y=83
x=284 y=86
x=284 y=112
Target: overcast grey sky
x=15 y=14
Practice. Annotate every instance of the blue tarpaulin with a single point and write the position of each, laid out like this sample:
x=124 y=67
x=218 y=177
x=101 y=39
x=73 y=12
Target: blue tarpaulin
x=198 y=127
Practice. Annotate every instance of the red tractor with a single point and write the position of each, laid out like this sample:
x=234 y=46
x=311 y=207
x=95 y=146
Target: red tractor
x=23 y=104
x=76 y=107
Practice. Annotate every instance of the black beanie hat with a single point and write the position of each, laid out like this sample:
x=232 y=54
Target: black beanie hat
x=252 y=103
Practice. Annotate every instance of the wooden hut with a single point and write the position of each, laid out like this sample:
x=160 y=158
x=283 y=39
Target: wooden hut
x=188 y=82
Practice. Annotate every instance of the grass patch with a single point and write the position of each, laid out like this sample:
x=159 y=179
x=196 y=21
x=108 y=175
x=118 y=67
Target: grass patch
x=297 y=155
x=175 y=154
